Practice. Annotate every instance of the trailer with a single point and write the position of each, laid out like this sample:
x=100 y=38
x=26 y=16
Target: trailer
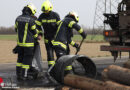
x=119 y=34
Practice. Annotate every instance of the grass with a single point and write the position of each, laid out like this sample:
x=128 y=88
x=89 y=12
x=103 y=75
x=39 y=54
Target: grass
x=8 y=37
x=97 y=38
x=90 y=38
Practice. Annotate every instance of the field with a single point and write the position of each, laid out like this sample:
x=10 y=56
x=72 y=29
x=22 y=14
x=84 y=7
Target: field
x=97 y=38
x=8 y=42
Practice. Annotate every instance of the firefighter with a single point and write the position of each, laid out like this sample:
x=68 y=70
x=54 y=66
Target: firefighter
x=64 y=34
x=27 y=35
x=48 y=20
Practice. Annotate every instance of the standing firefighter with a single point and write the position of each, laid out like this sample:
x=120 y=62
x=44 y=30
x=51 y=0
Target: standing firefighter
x=64 y=34
x=27 y=35
x=48 y=20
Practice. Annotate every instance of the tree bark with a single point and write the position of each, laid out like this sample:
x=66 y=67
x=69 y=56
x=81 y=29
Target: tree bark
x=117 y=74
x=84 y=83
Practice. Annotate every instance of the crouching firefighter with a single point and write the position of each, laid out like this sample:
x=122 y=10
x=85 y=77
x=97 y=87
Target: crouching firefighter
x=63 y=36
x=27 y=35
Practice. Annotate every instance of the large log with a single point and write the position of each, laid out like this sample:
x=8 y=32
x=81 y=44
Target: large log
x=84 y=83
x=117 y=74
x=114 y=84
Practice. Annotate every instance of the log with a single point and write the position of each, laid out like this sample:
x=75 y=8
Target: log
x=127 y=64
x=117 y=74
x=111 y=84
x=84 y=83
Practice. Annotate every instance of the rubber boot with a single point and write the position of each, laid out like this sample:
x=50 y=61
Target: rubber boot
x=33 y=72
x=25 y=75
x=49 y=65
x=18 y=72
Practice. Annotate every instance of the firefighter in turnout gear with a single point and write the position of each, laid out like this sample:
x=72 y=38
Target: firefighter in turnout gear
x=48 y=20
x=64 y=34
x=27 y=35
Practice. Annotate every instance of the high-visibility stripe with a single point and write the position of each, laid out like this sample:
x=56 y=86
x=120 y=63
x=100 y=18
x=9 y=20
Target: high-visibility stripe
x=72 y=43
x=25 y=44
x=25 y=33
x=52 y=20
x=43 y=21
x=19 y=64
x=33 y=27
x=68 y=67
x=80 y=31
x=37 y=30
x=58 y=22
x=58 y=29
x=71 y=24
x=51 y=63
x=40 y=31
x=48 y=21
x=36 y=35
x=16 y=25
x=45 y=40
x=25 y=66
x=17 y=32
x=59 y=43
x=38 y=23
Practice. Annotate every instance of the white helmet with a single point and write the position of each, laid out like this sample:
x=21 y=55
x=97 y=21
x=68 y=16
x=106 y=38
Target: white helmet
x=72 y=13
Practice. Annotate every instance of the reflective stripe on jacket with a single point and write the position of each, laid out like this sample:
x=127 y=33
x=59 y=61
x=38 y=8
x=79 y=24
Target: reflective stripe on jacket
x=26 y=31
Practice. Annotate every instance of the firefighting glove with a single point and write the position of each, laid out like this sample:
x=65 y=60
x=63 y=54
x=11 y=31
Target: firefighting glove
x=77 y=46
x=83 y=35
x=15 y=50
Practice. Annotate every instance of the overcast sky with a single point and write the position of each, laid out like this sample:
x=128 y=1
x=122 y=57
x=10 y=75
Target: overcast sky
x=10 y=9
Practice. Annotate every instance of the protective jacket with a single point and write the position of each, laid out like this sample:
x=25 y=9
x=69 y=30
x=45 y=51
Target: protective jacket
x=26 y=28
x=49 y=24
x=64 y=33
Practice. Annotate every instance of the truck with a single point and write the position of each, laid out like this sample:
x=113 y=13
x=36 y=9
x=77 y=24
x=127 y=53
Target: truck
x=119 y=34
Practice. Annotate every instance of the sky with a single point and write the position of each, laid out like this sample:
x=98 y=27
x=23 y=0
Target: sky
x=10 y=9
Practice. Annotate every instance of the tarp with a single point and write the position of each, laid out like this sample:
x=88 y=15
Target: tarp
x=37 y=59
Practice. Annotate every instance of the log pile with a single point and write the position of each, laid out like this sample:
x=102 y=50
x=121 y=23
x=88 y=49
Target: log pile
x=84 y=83
x=114 y=78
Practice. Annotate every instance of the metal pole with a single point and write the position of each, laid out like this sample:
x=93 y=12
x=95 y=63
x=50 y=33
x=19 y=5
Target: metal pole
x=79 y=47
x=110 y=7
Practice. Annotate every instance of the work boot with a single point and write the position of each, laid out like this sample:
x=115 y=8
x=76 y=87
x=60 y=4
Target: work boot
x=18 y=72
x=49 y=65
x=25 y=75
x=33 y=72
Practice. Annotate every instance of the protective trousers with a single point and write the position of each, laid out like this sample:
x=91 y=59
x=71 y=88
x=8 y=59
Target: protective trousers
x=24 y=61
x=61 y=52
x=50 y=54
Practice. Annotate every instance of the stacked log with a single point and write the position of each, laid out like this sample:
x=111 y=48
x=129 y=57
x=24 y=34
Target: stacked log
x=115 y=77
x=117 y=74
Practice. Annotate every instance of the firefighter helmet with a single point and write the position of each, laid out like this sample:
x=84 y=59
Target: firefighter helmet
x=47 y=6
x=75 y=15
x=32 y=8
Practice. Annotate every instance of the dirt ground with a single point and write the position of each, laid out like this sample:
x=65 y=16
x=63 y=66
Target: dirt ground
x=89 y=49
